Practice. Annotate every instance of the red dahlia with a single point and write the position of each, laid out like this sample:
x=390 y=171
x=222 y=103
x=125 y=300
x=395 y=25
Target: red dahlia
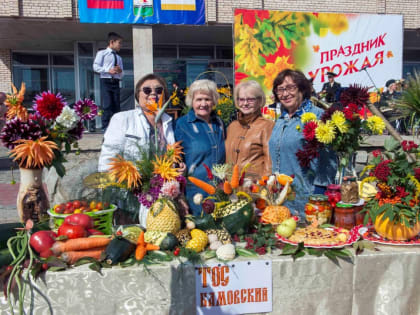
x=49 y=105
x=417 y=173
x=309 y=130
x=382 y=171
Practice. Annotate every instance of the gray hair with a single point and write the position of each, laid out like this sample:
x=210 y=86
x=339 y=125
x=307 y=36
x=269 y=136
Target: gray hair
x=206 y=86
x=253 y=87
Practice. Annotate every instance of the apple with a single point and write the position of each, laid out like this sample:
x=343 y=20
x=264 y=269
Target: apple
x=284 y=230
x=291 y=222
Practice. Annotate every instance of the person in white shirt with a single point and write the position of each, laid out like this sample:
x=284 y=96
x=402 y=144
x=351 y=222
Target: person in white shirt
x=110 y=67
x=131 y=131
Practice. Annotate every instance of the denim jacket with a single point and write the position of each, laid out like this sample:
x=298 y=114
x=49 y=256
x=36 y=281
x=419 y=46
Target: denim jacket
x=201 y=145
x=286 y=139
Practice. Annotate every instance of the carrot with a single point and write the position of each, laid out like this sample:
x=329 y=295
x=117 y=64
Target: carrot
x=227 y=188
x=211 y=190
x=234 y=182
x=71 y=257
x=140 y=240
x=152 y=247
x=140 y=252
x=77 y=244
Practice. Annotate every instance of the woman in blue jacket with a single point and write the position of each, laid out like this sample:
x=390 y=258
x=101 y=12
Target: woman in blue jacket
x=203 y=135
x=293 y=90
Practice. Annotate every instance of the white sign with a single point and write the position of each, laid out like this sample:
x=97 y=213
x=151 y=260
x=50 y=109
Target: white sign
x=234 y=288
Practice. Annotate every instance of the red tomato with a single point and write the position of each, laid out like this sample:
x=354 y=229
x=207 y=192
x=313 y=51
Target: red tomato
x=69 y=205
x=80 y=219
x=68 y=211
x=42 y=240
x=76 y=204
x=60 y=209
x=71 y=230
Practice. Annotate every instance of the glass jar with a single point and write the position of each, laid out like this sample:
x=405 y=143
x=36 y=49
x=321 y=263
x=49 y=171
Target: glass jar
x=344 y=215
x=333 y=193
x=349 y=190
x=318 y=208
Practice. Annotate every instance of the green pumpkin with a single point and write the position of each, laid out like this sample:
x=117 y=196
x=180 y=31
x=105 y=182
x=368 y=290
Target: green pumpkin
x=239 y=221
x=169 y=242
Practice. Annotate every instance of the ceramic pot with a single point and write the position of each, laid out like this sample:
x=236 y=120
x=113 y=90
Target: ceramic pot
x=395 y=231
x=32 y=200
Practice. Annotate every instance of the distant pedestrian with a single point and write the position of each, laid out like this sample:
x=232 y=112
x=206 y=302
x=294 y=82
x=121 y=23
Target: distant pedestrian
x=331 y=88
x=110 y=67
x=3 y=110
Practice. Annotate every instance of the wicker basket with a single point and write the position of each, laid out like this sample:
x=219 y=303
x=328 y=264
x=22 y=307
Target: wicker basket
x=102 y=220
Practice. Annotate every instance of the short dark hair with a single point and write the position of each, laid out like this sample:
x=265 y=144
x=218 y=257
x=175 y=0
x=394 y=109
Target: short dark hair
x=113 y=36
x=152 y=76
x=303 y=84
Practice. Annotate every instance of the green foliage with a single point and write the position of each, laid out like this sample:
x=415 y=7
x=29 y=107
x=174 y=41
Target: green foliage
x=331 y=253
x=409 y=103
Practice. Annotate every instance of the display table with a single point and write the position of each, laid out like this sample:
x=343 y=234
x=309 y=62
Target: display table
x=381 y=282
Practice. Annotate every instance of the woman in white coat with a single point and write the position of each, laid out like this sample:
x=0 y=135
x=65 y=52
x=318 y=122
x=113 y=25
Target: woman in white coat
x=131 y=131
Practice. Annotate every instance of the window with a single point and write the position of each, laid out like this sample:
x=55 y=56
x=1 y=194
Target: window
x=43 y=72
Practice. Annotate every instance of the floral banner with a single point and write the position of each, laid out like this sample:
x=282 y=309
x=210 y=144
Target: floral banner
x=267 y=42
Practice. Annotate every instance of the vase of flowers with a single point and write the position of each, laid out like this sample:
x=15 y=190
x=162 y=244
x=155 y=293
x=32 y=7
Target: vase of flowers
x=38 y=138
x=339 y=129
x=395 y=210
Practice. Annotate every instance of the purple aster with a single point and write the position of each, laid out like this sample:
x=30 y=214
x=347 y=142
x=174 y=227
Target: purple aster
x=86 y=109
x=77 y=132
x=156 y=181
x=148 y=198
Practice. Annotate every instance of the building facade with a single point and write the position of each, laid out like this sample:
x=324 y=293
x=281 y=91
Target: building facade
x=45 y=45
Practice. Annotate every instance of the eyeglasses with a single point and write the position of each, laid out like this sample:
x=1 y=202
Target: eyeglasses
x=147 y=90
x=288 y=88
x=250 y=100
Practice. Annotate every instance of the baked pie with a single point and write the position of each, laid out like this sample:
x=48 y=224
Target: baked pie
x=316 y=236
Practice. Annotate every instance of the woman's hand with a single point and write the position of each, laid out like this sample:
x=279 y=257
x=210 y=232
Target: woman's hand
x=182 y=167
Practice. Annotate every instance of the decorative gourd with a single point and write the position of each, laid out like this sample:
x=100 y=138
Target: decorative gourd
x=198 y=241
x=226 y=252
x=202 y=222
x=118 y=250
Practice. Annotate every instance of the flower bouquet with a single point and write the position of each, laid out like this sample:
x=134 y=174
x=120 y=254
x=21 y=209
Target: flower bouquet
x=339 y=129
x=228 y=205
x=37 y=138
x=395 y=209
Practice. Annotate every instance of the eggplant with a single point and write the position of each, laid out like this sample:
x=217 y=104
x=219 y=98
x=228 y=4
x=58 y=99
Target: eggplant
x=118 y=250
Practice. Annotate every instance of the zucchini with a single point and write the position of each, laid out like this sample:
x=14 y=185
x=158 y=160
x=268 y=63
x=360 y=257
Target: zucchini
x=202 y=222
x=5 y=257
x=118 y=250
x=7 y=230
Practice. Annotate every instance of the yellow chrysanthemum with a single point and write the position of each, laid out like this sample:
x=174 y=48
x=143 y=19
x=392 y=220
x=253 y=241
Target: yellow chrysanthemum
x=163 y=167
x=306 y=117
x=122 y=171
x=174 y=151
x=225 y=91
x=376 y=124
x=34 y=153
x=14 y=103
x=339 y=121
x=325 y=132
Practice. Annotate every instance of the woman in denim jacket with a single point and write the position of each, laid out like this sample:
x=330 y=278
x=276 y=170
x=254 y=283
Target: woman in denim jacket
x=293 y=90
x=203 y=136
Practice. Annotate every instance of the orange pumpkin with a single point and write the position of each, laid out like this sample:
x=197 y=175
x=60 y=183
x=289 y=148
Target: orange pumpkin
x=395 y=231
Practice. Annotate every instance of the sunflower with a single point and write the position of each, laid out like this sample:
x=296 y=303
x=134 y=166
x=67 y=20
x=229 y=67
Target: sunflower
x=123 y=170
x=14 y=103
x=308 y=116
x=376 y=124
x=174 y=151
x=325 y=132
x=34 y=153
x=163 y=167
x=339 y=121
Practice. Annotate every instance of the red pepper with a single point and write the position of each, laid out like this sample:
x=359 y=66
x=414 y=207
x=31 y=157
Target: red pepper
x=176 y=251
x=209 y=173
